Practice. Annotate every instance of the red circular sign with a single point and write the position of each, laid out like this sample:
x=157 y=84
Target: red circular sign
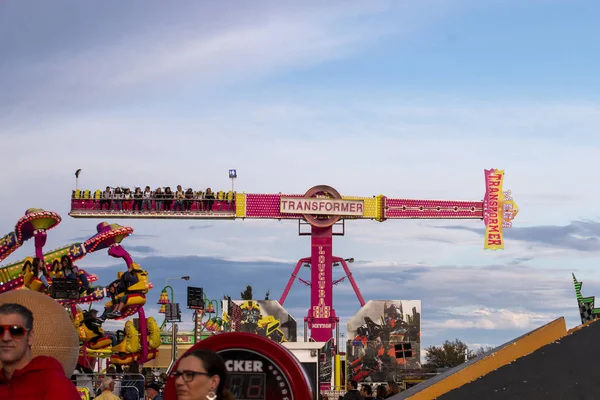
x=276 y=374
x=322 y=191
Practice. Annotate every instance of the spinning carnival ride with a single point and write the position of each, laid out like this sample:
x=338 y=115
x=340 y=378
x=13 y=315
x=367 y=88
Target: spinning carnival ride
x=322 y=208
x=129 y=345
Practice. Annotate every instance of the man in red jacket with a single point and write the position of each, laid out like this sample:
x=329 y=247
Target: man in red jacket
x=22 y=376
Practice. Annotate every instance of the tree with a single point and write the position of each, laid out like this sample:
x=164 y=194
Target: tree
x=449 y=354
x=247 y=294
x=482 y=350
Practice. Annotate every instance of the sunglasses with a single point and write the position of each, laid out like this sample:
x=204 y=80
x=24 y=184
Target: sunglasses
x=13 y=330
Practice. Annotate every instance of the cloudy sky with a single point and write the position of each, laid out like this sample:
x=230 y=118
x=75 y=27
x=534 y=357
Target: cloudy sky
x=407 y=99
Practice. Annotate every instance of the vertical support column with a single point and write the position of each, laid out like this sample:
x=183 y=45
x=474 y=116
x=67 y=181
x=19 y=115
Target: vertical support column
x=173 y=347
x=305 y=330
x=143 y=335
x=337 y=336
x=321 y=315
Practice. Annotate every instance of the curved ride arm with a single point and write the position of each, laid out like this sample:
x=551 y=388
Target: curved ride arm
x=143 y=335
x=40 y=238
x=118 y=251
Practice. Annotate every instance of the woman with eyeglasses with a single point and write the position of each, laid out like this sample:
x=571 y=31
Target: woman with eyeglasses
x=200 y=375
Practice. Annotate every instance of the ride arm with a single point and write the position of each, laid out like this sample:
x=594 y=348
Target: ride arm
x=8 y=244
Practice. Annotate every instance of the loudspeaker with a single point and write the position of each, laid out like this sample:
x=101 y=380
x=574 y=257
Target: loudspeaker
x=172 y=312
x=195 y=297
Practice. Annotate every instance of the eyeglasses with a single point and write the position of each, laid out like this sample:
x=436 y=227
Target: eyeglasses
x=14 y=330
x=188 y=376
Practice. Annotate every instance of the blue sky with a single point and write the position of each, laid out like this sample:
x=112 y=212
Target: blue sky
x=408 y=99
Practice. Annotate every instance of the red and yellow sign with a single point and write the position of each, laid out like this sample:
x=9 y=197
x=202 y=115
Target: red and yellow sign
x=499 y=209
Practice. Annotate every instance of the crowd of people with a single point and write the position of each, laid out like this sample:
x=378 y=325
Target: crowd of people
x=369 y=392
x=200 y=373
x=120 y=383
x=159 y=199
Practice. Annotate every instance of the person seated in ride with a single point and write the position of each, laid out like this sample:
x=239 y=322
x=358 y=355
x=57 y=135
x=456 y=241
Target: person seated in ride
x=56 y=270
x=70 y=271
x=168 y=196
x=189 y=199
x=93 y=323
x=179 y=197
x=38 y=269
x=119 y=286
x=209 y=198
x=112 y=290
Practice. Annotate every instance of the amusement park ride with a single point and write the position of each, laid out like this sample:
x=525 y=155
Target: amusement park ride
x=321 y=207
x=65 y=286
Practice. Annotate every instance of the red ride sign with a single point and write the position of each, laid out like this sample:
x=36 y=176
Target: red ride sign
x=258 y=368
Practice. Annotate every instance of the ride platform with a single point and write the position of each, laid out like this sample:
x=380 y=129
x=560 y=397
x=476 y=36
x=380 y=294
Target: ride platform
x=94 y=213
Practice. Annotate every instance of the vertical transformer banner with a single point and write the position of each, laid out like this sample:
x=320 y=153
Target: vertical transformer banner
x=322 y=300
x=493 y=209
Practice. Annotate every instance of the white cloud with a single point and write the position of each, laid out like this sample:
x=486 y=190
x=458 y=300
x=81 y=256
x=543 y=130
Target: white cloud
x=491 y=319
x=206 y=44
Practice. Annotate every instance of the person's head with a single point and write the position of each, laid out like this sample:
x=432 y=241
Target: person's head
x=65 y=261
x=134 y=368
x=111 y=369
x=381 y=392
x=38 y=263
x=366 y=390
x=16 y=334
x=199 y=373
x=393 y=387
x=108 y=384
x=153 y=390
x=352 y=385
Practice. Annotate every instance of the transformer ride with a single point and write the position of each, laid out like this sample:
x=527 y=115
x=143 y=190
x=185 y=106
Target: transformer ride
x=56 y=276
x=322 y=208
x=324 y=211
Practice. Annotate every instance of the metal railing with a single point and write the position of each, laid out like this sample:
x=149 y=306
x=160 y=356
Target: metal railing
x=153 y=205
x=93 y=383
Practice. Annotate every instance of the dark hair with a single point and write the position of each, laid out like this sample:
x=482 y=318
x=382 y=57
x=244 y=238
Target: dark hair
x=368 y=389
x=27 y=264
x=134 y=368
x=381 y=392
x=69 y=262
x=13 y=308
x=354 y=384
x=213 y=364
x=36 y=265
